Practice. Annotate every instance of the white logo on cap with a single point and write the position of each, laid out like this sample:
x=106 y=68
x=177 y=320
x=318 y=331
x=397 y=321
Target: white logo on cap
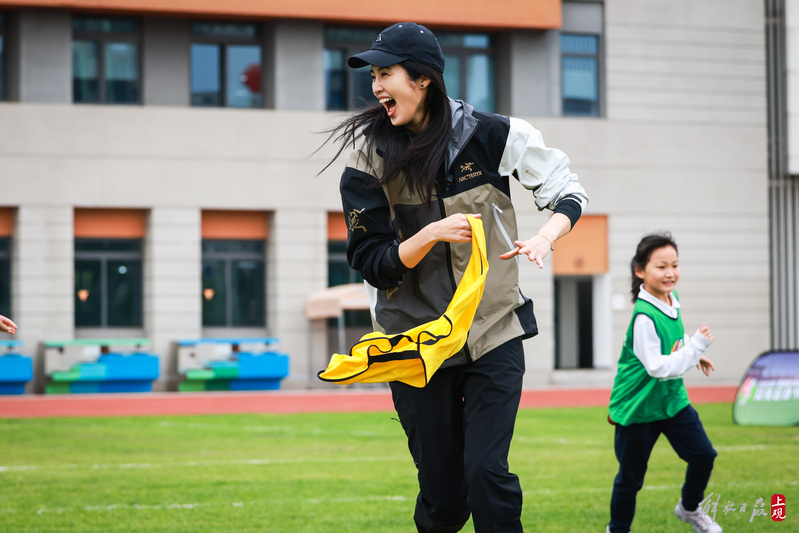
x=379 y=37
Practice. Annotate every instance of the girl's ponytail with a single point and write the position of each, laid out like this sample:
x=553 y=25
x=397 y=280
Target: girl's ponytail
x=649 y=243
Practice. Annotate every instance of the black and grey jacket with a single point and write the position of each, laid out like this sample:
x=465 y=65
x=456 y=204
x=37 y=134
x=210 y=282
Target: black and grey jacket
x=485 y=150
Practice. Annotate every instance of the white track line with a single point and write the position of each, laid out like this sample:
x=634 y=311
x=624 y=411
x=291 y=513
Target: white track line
x=192 y=464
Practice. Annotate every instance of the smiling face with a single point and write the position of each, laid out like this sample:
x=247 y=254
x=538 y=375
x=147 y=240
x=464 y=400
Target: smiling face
x=661 y=273
x=402 y=97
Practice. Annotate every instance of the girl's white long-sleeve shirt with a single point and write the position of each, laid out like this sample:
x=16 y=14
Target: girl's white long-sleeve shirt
x=646 y=343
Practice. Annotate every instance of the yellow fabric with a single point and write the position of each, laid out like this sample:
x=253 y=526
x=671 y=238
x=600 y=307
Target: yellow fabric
x=413 y=356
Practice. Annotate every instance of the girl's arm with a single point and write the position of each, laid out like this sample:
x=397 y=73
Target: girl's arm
x=646 y=346
x=705 y=365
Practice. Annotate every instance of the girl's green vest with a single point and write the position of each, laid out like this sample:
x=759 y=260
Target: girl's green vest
x=637 y=397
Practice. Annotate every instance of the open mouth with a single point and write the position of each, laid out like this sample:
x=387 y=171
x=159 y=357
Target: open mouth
x=390 y=105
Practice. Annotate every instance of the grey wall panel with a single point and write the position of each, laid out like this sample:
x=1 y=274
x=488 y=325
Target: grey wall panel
x=45 y=56
x=165 y=62
x=298 y=81
x=682 y=62
x=534 y=63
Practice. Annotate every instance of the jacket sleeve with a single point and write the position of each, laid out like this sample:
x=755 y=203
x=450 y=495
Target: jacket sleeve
x=372 y=242
x=646 y=347
x=543 y=170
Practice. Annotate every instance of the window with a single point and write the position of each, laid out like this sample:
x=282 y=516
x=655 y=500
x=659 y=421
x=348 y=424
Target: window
x=5 y=276
x=225 y=65
x=579 y=71
x=340 y=273
x=346 y=88
x=2 y=58
x=338 y=269
x=108 y=283
x=105 y=60
x=234 y=284
x=468 y=74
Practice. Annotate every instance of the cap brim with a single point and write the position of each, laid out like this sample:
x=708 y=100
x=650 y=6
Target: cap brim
x=374 y=57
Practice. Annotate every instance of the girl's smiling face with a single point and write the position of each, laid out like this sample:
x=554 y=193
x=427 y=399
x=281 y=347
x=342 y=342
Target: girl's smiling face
x=661 y=273
x=402 y=97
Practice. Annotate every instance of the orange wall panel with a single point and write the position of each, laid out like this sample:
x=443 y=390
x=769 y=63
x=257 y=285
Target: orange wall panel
x=6 y=221
x=223 y=224
x=336 y=227
x=542 y=14
x=110 y=223
x=584 y=251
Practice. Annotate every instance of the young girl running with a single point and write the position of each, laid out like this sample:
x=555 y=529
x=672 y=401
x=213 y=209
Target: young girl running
x=649 y=397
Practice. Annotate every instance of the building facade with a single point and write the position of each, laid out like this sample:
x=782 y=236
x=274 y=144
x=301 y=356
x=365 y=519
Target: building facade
x=159 y=172
x=782 y=53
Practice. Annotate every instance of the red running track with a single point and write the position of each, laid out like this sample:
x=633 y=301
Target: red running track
x=353 y=400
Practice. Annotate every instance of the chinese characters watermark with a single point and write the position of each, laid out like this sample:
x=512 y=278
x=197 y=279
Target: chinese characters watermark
x=710 y=504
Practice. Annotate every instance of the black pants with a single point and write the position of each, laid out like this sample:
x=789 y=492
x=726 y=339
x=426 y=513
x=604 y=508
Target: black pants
x=634 y=445
x=459 y=430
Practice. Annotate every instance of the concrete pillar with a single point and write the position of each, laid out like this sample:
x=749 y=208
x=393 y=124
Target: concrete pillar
x=296 y=267
x=42 y=275
x=172 y=285
x=538 y=285
x=603 y=321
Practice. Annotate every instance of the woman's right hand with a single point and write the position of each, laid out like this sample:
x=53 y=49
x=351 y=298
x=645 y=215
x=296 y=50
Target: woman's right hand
x=454 y=228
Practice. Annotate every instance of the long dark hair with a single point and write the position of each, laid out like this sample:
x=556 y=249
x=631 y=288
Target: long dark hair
x=649 y=243
x=418 y=155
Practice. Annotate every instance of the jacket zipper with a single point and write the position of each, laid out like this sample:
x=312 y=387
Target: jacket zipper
x=511 y=245
x=454 y=286
x=447 y=172
x=447 y=247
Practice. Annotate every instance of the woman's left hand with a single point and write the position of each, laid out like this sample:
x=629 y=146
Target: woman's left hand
x=535 y=248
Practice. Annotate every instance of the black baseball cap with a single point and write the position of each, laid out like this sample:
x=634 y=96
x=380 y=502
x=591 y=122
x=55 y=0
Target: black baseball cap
x=395 y=44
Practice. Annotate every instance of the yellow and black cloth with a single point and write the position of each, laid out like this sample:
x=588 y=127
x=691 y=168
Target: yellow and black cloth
x=413 y=356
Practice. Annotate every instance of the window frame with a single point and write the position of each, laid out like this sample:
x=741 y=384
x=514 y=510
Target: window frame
x=3 y=55
x=5 y=296
x=229 y=257
x=599 y=71
x=224 y=41
x=463 y=53
x=101 y=38
x=355 y=46
x=104 y=256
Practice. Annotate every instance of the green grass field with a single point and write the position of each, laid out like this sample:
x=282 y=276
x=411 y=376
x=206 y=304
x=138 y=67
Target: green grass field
x=351 y=473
